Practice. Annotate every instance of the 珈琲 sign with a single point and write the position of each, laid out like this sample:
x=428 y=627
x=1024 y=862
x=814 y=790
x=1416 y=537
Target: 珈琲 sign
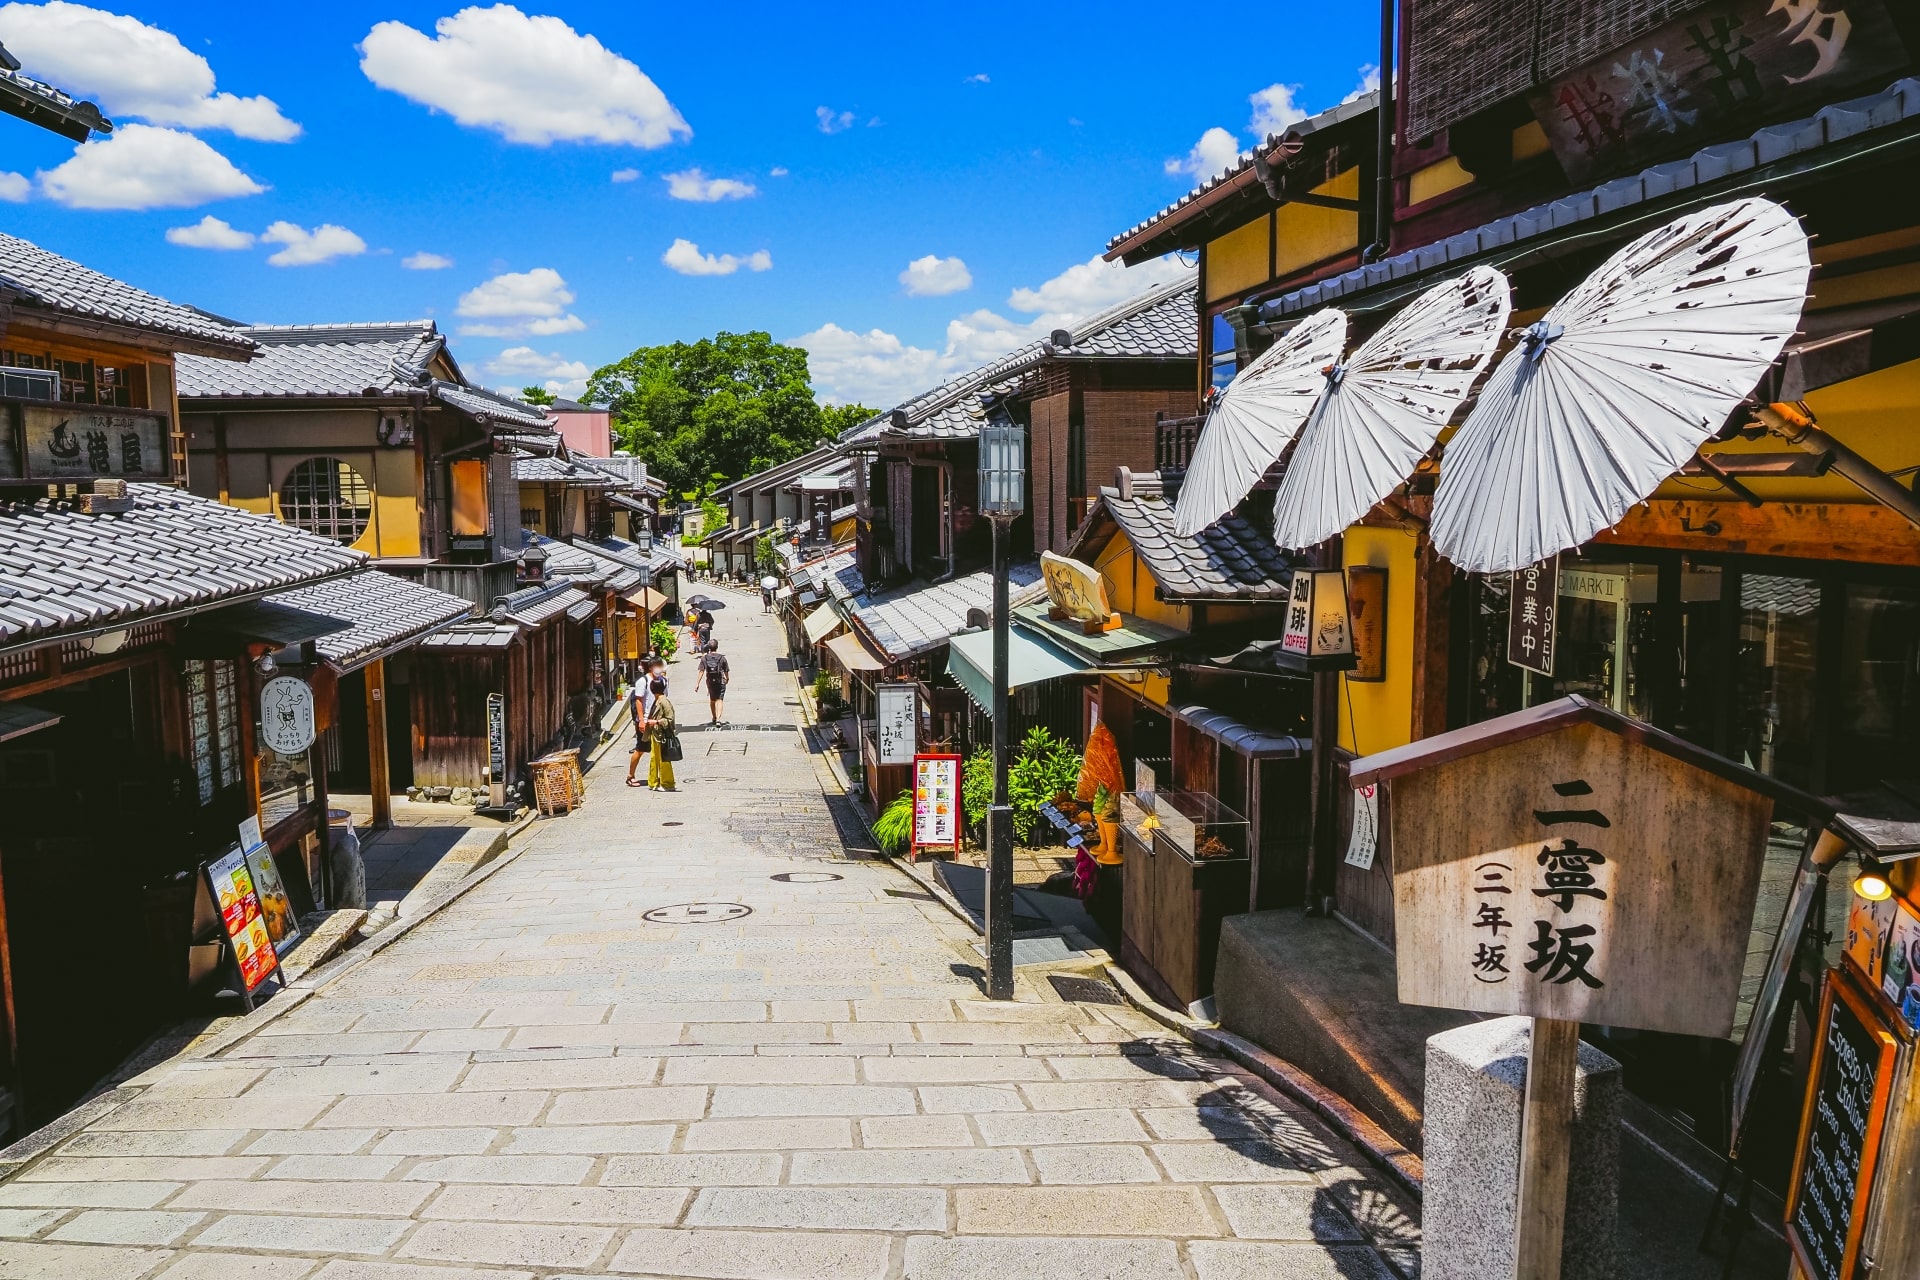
x=1568 y=862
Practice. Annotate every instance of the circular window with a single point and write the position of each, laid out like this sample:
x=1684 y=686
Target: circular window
x=327 y=497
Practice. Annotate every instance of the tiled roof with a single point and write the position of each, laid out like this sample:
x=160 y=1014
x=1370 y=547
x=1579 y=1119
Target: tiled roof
x=1240 y=173
x=628 y=470
x=390 y=358
x=1228 y=560
x=1161 y=323
x=579 y=563
x=781 y=474
x=30 y=275
x=531 y=606
x=473 y=635
x=320 y=360
x=557 y=470
x=385 y=612
x=912 y=619
x=42 y=104
x=1716 y=164
x=62 y=571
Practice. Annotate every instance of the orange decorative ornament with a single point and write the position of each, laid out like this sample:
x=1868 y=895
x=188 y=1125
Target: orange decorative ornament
x=1100 y=764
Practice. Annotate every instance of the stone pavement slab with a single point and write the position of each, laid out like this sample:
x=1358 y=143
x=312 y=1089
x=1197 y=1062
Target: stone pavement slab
x=568 y=1073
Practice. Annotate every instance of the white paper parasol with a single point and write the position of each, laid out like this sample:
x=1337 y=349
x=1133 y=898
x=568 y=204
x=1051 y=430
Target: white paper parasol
x=1384 y=407
x=1615 y=388
x=1256 y=418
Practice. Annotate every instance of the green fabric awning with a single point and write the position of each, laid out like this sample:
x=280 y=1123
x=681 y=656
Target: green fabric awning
x=1030 y=660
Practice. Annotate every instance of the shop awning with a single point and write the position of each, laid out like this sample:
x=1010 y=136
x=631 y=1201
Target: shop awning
x=1243 y=738
x=17 y=719
x=1030 y=660
x=387 y=613
x=853 y=655
x=219 y=631
x=583 y=610
x=648 y=599
x=820 y=622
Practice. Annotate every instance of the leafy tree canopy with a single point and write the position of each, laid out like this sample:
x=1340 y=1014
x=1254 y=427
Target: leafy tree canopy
x=537 y=395
x=707 y=412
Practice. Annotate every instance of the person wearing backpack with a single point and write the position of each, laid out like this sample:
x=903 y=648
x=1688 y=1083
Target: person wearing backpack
x=713 y=665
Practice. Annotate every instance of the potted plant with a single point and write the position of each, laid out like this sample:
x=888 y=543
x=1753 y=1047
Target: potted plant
x=1106 y=813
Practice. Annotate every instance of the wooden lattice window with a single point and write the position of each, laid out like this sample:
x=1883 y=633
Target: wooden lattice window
x=327 y=497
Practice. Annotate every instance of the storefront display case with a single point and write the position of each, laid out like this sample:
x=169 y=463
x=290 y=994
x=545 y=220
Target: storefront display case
x=1187 y=870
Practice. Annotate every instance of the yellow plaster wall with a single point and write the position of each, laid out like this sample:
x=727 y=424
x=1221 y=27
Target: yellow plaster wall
x=1304 y=234
x=1238 y=259
x=396 y=513
x=1130 y=587
x=1382 y=713
x=1436 y=180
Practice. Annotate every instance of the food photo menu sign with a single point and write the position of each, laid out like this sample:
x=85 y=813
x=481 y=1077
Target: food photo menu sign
x=241 y=919
x=936 y=801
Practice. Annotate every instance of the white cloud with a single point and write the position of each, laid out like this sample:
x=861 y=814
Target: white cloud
x=1275 y=110
x=515 y=304
x=978 y=78
x=529 y=79
x=685 y=257
x=1216 y=150
x=304 y=248
x=877 y=368
x=132 y=69
x=832 y=121
x=778 y=171
x=523 y=366
x=692 y=184
x=210 y=233
x=1369 y=82
x=934 y=277
x=424 y=261
x=626 y=175
x=141 y=167
x=14 y=187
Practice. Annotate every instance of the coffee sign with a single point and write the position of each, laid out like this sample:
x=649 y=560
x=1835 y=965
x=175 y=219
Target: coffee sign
x=78 y=442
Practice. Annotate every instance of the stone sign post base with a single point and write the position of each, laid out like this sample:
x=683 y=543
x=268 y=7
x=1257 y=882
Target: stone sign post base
x=1476 y=1087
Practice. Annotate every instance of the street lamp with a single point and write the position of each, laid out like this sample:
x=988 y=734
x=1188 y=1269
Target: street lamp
x=1003 y=497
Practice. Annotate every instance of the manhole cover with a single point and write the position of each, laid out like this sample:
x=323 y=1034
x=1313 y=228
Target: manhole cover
x=698 y=913
x=1085 y=990
x=805 y=877
x=673 y=824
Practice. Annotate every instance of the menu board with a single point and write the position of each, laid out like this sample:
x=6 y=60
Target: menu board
x=936 y=801
x=231 y=883
x=276 y=908
x=1840 y=1130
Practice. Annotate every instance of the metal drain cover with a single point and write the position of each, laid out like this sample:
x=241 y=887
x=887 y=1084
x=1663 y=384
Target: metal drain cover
x=698 y=913
x=1085 y=990
x=805 y=877
x=673 y=824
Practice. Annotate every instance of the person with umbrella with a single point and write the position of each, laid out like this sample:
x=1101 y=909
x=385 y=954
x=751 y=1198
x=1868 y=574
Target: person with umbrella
x=700 y=622
x=767 y=586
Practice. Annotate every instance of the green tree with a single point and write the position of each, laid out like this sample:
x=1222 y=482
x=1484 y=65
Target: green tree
x=765 y=558
x=836 y=418
x=537 y=395
x=726 y=406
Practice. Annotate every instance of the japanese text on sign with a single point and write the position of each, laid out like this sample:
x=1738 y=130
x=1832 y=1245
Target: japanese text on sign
x=1567 y=942
x=894 y=724
x=231 y=884
x=936 y=801
x=1530 y=618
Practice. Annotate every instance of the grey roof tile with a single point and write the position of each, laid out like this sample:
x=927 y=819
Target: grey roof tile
x=1228 y=560
x=912 y=619
x=384 y=610
x=39 y=278
x=81 y=572
x=556 y=470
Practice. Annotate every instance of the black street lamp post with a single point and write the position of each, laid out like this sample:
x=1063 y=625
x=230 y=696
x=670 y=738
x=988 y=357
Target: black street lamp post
x=1003 y=483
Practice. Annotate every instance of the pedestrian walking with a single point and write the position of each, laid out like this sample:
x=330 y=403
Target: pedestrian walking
x=639 y=707
x=664 y=738
x=768 y=585
x=700 y=627
x=713 y=666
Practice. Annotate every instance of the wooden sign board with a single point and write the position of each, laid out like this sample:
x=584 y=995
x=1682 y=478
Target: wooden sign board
x=1706 y=74
x=895 y=722
x=1574 y=874
x=1530 y=616
x=1848 y=1089
x=1367 y=603
x=81 y=442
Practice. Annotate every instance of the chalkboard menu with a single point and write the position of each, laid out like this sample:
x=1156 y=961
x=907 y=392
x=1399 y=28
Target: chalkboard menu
x=1840 y=1130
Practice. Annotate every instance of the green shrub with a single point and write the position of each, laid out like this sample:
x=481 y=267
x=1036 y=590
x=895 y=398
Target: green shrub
x=1041 y=767
x=894 y=827
x=662 y=640
x=826 y=694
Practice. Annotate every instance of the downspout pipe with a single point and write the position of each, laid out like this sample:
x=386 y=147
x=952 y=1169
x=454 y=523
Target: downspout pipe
x=1795 y=424
x=1383 y=143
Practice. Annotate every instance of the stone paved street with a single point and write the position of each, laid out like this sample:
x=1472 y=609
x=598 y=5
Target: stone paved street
x=636 y=1049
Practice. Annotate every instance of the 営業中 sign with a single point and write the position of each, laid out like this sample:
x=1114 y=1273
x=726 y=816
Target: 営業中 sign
x=238 y=904
x=936 y=801
x=1530 y=610
x=894 y=723
x=286 y=715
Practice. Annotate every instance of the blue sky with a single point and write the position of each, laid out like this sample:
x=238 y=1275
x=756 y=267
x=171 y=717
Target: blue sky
x=848 y=144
